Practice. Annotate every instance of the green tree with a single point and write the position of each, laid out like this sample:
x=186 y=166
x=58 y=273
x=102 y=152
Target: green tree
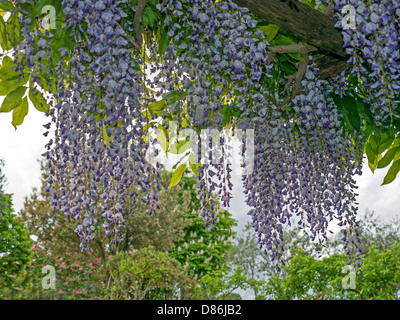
x=285 y=37
x=305 y=277
x=142 y=230
x=144 y=274
x=15 y=248
x=246 y=253
x=176 y=229
x=303 y=258
x=221 y=284
x=71 y=280
x=256 y=264
x=375 y=231
x=312 y=274
x=14 y=244
x=2 y=183
x=203 y=250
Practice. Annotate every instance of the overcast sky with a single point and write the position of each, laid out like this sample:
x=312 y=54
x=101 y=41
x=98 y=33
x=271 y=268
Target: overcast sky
x=23 y=148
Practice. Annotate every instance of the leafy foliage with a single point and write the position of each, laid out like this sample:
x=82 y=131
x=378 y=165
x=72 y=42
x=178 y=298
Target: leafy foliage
x=176 y=229
x=378 y=277
x=203 y=250
x=246 y=254
x=143 y=274
x=15 y=246
x=220 y=284
x=213 y=64
x=161 y=231
x=73 y=280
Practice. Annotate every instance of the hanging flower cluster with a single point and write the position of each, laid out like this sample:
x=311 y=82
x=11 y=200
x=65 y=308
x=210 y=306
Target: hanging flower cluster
x=96 y=154
x=304 y=166
x=373 y=46
x=217 y=61
x=212 y=46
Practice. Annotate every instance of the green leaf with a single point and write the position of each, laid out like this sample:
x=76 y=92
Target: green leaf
x=364 y=110
x=184 y=147
x=149 y=17
x=397 y=156
x=388 y=157
x=179 y=147
x=13 y=99
x=351 y=112
x=180 y=160
x=270 y=31
x=106 y=139
x=392 y=173
x=19 y=113
x=3 y=36
x=162 y=138
x=38 y=100
x=13 y=28
x=49 y=87
x=6 y=61
x=62 y=40
x=373 y=141
x=349 y=109
x=163 y=42
x=296 y=56
x=371 y=155
x=27 y=6
x=8 y=73
x=337 y=100
x=6 y=6
x=137 y=65
x=194 y=166
x=177 y=175
x=385 y=142
x=7 y=86
x=283 y=40
x=38 y=7
x=157 y=105
x=287 y=67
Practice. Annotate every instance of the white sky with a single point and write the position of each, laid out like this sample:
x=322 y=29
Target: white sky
x=23 y=148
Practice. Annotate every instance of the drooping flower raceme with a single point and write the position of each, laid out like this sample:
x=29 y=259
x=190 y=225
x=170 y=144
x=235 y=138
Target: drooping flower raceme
x=304 y=167
x=217 y=64
x=211 y=46
x=373 y=46
x=96 y=154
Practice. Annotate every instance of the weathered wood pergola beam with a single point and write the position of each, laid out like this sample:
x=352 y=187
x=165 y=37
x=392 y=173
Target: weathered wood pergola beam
x=301 y=20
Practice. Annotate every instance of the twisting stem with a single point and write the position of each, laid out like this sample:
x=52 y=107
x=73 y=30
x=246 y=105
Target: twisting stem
x=329 y=10
x=297 y=77
x=292 y=48
x=138 y=19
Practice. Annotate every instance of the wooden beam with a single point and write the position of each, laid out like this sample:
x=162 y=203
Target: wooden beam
x=329 y=65
x=301 y=20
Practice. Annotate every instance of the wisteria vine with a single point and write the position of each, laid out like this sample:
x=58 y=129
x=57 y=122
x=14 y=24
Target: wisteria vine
x=98 y=98
x=373 y=46
x=219 y=72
